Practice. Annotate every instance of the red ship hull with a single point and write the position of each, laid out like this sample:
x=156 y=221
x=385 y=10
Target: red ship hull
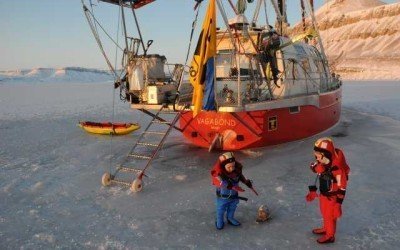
x=249 y=129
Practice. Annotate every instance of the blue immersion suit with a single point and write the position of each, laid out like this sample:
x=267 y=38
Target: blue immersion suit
x=227 y=186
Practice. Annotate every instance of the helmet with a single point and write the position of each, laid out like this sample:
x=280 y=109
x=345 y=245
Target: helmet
x=226 y=158
x=325 y=146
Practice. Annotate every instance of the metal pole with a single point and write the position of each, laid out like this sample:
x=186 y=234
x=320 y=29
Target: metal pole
x=314 y=22
x=277 y=11
x=266 y=14
x=233 y=7
x=233 y=43
x=124 y=25
x=138 y=28
x=96 y=37
x=221 y=10
x=256 y=12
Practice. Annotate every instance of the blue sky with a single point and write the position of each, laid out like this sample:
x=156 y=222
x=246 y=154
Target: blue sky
x=55 y=33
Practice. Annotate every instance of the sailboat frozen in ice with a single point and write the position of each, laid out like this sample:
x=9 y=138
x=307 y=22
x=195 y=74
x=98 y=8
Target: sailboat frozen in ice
x=246 y=104
x=254 y=101
x=249 y=85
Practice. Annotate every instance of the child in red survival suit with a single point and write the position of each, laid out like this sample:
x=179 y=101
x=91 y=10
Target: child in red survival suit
x=332 y=171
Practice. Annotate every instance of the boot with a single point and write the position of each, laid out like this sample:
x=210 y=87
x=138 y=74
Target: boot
x=234 y=222
x=219 y=225
x=319 y=231
x=221 y=208
x=326 y=239
x=219 y=222
x=230 y=214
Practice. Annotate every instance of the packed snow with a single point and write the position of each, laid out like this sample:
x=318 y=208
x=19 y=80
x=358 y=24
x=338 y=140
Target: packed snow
x=51 y=195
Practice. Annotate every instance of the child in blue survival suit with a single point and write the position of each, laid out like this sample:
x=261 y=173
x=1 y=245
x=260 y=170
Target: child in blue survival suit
x=226 y=174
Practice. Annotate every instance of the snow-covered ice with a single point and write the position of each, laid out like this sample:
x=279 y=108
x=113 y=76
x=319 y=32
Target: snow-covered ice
x=51 y=195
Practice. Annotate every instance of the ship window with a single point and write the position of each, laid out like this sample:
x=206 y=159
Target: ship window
x=240 y=138
x=294 y=110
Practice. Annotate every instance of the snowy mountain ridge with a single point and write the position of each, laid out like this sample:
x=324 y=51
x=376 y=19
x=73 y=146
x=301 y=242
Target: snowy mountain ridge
x=55 y=75
x=361 y=38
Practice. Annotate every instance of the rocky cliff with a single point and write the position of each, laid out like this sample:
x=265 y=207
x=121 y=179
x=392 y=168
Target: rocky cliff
x=361 y=38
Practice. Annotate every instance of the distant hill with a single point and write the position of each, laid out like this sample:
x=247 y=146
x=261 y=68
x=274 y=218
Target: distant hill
x=52 y=75
x=361 y=38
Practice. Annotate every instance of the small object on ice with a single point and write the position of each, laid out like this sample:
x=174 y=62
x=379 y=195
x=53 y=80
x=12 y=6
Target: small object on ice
x=106 y=179
x=180 y=177
x=263 y=214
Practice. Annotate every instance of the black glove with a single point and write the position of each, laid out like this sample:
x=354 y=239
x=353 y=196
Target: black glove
x=249 y=183
x=312 y=188
x=340 y=196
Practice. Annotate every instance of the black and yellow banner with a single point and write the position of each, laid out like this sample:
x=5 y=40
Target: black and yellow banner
x=204 y=57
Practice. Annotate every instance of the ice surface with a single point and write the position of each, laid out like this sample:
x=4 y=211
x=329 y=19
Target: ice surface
x=51 y=195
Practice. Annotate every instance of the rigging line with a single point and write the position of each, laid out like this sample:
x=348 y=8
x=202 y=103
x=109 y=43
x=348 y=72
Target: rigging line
x=225 y=18
x=91 y=7
x=238 y=41
x=314 y=23
x=303 y=13
x=124 y=25
x=113 y=95
x=266 y=13
x=222 y=38
x=255 y=48
x=256 y=12
x=233 y=7
x=98 y=23
x=116 y=47
x=138 y=28
x=313 y=82
x=96 y=36
x=191 y=33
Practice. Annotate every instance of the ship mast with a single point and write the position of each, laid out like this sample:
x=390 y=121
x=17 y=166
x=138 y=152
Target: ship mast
x=310 y=7
x=281 y=17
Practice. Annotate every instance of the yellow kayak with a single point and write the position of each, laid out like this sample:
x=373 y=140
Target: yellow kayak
x=108 y=128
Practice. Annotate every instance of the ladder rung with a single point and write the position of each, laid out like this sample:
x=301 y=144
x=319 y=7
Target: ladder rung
x=116 y=181
x=140 y=156
x=154 y=132
x=125 y=169
x=147 y=144
x=162 y=122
